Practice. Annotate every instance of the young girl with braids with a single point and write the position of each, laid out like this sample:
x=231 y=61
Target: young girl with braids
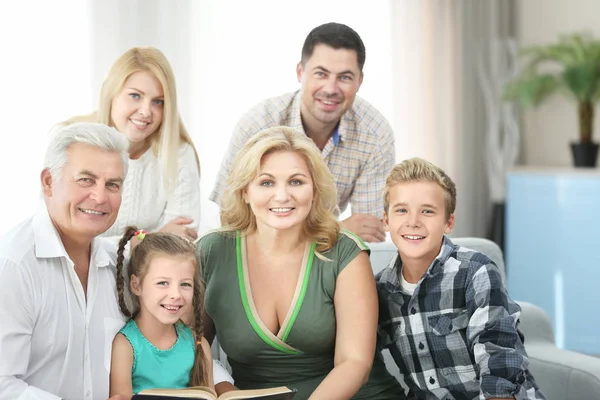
x=155 y=349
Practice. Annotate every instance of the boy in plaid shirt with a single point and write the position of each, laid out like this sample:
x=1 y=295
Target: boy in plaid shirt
x=444 y=312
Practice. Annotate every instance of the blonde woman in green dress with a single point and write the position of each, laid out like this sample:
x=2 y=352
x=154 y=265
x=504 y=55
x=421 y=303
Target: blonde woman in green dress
x=290 y=296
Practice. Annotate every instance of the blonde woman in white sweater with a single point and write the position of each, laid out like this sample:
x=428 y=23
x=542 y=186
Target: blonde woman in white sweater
x=162 y=188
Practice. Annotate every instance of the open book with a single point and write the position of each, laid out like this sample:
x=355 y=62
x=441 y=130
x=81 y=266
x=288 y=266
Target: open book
x=206 y=393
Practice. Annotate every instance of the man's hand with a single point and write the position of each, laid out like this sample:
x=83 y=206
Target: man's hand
x=367 y=227
x=178 y=227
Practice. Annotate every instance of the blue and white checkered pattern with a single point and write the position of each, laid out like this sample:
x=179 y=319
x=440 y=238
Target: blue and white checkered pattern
x=456 y=336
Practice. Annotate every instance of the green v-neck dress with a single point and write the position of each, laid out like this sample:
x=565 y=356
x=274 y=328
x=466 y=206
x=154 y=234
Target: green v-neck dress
x=302 y=353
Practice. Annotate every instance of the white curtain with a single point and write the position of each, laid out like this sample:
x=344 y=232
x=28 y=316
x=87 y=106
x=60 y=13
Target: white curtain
x=438 y=106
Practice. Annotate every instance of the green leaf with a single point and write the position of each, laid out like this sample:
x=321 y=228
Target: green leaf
x=581 y=80
x=530 y=91
x=575 y=69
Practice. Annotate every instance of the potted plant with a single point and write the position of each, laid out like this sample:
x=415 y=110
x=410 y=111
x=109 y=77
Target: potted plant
x=578 y=76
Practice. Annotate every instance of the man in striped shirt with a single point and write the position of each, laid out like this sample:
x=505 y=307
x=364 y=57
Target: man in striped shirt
x=355 y=140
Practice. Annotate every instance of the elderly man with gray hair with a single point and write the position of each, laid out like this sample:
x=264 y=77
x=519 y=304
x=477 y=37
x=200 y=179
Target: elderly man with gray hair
x=58 y=304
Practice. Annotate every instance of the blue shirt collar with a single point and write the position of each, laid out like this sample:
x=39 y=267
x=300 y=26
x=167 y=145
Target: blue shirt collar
x=336 y=135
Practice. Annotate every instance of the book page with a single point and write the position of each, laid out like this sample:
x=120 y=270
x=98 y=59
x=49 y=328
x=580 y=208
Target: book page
x=258 y=394
x=205 y=393
x=196 y=392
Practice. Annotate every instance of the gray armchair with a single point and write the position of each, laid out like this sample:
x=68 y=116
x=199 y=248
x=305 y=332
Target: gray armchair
x=561 y=374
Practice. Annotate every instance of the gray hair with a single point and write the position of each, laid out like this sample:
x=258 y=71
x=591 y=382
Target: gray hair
x=92 y=134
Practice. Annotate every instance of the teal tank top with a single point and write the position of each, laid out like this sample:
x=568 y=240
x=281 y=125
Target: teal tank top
x=155 y=368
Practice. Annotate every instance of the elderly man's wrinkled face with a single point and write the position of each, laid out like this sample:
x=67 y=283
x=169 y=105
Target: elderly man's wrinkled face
x=84 y=201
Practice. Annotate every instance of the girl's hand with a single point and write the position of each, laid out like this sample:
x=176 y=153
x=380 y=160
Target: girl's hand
x=224 y=387
x=120 y=397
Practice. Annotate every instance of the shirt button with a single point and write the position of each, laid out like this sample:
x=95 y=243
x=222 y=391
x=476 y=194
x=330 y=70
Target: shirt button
x=421 y=346
x=88 y=393
x=413 y=311
x=431 y=380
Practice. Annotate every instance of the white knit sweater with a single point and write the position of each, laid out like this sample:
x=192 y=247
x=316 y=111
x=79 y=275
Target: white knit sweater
x=145 y=203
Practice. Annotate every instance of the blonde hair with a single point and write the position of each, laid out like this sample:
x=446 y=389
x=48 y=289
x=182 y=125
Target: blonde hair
x=171 y=134
x=152 y=245
x=321 y=225
x=419 y=170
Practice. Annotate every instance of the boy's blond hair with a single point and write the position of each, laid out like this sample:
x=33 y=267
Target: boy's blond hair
x=419 y=170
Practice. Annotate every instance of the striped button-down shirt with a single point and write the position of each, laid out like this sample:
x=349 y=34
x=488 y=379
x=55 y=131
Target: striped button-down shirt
x=456 y=336
x=359 y=157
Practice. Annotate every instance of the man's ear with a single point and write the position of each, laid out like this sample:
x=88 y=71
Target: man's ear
x=449 y=224
x=134 y=283
x=299 y=71
x=386 y=222
x=46 y=179
x=360 y=81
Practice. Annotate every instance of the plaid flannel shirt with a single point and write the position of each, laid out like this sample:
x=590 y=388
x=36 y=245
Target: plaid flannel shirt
x=456 y=337
x=359 y=158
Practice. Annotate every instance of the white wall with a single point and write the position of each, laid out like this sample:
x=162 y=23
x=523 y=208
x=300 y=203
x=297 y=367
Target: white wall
x=548 y=130
x=42 y=83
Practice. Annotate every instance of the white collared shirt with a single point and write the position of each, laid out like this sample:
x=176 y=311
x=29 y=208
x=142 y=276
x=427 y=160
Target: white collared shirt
x=54 y=343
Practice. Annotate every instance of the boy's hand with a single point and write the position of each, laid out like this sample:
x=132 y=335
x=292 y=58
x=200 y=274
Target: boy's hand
x=367 y=227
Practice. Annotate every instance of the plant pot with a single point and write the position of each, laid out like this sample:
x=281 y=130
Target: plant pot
x=584 y=154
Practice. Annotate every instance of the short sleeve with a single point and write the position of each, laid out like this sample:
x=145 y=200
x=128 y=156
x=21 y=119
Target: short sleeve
x=347 y=248
x=202 y=251
x=212 y=249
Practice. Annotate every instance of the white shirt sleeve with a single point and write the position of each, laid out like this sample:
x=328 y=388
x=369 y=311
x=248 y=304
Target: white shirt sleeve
x=184 y=199
x=17 y=316
x=33 y=393
x=220 y=374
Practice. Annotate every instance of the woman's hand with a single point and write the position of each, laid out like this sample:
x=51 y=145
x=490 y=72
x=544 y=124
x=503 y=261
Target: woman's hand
x=178 y=227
